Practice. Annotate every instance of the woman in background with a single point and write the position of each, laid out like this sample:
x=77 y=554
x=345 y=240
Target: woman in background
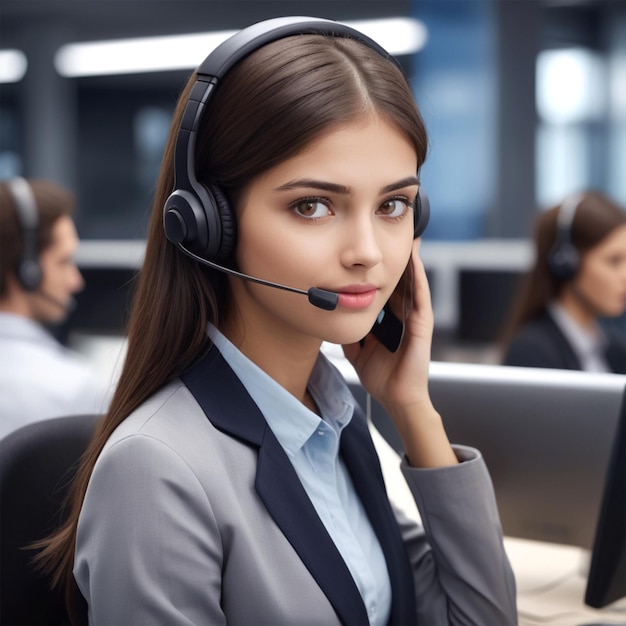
x=234 y=479
x=578 y=278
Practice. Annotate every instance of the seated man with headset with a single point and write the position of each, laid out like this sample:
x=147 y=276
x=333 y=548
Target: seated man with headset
x=39 y=378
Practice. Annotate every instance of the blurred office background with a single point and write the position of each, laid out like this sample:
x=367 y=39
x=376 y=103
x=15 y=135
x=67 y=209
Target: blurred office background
x=525 y=102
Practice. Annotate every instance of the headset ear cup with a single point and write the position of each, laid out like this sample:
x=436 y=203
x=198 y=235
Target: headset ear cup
x=184 y=221
x=29 y=274
x=228 y=222
x=563 y=261
x=421 y=213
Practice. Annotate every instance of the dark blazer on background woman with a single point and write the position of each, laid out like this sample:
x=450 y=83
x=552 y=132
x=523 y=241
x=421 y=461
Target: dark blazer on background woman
x=541 y=343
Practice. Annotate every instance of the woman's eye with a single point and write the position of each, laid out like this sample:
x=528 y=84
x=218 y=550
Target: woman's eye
x=311 y=207
x=394 y=207
x=615 y=260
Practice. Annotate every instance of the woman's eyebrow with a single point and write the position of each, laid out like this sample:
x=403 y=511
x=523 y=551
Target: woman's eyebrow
x=342 y=189
x=314 y=184
x=405 y=182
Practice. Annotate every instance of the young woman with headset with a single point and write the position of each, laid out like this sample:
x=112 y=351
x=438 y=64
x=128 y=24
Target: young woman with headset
x=578 y=278
x=234 y=479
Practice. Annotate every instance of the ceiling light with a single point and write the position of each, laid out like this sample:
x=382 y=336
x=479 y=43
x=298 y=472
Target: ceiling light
x=570 y=86
x=181 y=52
x=132 y=56
x=397 y=35
x=13 y=66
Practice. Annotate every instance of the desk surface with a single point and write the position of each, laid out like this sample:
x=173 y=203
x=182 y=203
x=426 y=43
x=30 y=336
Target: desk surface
x=551 y=582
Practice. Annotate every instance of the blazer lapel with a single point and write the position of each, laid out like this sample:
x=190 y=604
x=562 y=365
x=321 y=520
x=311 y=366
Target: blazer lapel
x=564 y=351
x=361 y=459
x=229 y=407
x=616 y=353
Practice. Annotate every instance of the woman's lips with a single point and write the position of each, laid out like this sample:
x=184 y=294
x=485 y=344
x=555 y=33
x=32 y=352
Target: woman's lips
x=357 y=296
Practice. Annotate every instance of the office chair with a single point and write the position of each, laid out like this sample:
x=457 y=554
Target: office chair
x=37 y=464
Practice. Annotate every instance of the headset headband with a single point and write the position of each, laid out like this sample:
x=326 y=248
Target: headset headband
x=567 y=212
x=28 y=269
x=563 y=258
x=25 y=204
x=250 y=39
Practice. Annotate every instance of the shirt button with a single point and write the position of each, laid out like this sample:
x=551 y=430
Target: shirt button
x=320 y=432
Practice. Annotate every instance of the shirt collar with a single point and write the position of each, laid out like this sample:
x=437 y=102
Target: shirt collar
x=583 y=341
x=24 y=328
x=291 y=422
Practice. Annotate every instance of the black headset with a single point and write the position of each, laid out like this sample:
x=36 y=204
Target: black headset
x=28 y=270
x=564 y=258
x=198 y=216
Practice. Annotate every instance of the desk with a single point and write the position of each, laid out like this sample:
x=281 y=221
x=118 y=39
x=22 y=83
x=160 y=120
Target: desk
x=551 y=582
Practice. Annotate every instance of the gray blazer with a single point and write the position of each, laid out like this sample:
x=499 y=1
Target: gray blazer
x=189 y=520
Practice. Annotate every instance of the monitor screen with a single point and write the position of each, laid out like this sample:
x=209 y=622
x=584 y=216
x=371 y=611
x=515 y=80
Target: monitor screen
x=545 y=435
x=607 y=573
x=480 y=323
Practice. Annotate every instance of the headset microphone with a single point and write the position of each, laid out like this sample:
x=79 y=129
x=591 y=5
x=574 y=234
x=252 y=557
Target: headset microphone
x=321 y=298
x=68 y=306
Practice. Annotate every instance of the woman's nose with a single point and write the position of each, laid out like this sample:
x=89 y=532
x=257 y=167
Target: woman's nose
x=361 y=246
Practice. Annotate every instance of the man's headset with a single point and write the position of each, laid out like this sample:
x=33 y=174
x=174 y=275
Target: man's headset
x=28 y=270
x=198 y=218
x=564 y=258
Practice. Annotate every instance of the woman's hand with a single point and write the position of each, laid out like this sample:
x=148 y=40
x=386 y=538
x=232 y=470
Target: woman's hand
x=400 y=377
x=399 y=381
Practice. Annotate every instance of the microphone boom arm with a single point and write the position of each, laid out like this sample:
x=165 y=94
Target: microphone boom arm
x=321 y=298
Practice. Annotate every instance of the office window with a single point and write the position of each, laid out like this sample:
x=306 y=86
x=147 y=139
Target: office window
x=617 y=116
x=455 y=87
x=122 y=134
x=151 y=125
x=571 y=147
x=10 y=154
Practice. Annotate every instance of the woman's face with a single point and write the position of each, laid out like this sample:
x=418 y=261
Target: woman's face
x=601 y=279
x=338 y=216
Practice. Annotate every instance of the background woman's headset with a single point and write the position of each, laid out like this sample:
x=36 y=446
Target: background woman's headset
x=564 y=258
x=198 y=217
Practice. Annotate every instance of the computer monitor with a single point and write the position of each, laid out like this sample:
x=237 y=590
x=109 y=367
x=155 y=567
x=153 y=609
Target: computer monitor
x=545 y=435
x=480 y=324
x=606 y=582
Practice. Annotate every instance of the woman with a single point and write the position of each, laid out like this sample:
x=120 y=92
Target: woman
x=579 y=277
x=234 y=479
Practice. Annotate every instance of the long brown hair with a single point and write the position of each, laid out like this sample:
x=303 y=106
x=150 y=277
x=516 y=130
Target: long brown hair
x=596 y=217
x=268 y=108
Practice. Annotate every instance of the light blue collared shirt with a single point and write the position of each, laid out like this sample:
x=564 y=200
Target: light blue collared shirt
x=312 y=445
